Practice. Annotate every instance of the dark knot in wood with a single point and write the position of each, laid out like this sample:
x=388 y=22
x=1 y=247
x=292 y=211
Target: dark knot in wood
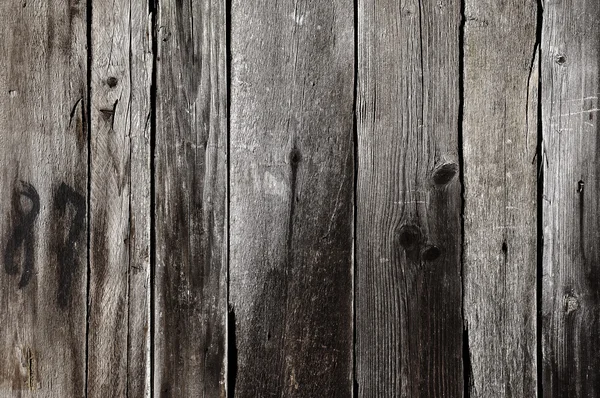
x=445 y=173
x=430 y=253
x=112 y=81
x=409 y=236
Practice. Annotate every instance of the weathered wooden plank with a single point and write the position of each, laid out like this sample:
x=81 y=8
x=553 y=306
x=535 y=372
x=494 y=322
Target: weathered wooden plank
x=119 y=319
x=291 y=198
x=408 y=234
x=191 y=199
x=500 y=139
x=43 y=191
x=571 y=213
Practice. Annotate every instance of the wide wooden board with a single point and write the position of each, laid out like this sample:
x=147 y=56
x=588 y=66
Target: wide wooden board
x=408 y=233
x=43 y=196
x=571 y=209
x=190 y=199
x=501 y=58
x=291 y=202
x=119 y=297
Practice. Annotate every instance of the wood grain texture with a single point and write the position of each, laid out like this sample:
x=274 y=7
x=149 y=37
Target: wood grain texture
x=408 y=234
x=43 y=190
x=571 y=209
x=191 y=200
x=118 y=342
x=500 y=139
x=291 y=198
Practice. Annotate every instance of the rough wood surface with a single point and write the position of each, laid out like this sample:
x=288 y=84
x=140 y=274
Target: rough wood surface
x=118 y=345
x=291 y=198
x=191 y=200
x=408 y=235
x=500 y=139
x=571 y=211
x=43 y=185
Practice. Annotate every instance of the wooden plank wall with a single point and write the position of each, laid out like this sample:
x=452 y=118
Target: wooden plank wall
x=325 y=198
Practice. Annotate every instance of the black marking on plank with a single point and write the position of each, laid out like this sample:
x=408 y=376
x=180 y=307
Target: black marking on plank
x=66 y=249
x=22 y=234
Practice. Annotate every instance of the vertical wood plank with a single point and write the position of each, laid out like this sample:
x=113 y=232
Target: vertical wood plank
x=43 y=194
x=571 y=211
x=500 y=139
x=119 y=336
x=291 y=198
x=191 y=199
x=408 y=235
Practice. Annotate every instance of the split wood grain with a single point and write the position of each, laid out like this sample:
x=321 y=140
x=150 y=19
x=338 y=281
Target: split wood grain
x=408 y=234
x=501 y=58
x=119 y=319
x=43 y=195
x=571 y=208
x=191 y=199
x=291 y=198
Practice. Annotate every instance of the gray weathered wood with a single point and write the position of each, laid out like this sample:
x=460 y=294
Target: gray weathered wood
x=43 y=190
x=191 y=200
x=500 y=138
x=408 y=235
x=119 y=319
x=291 y=198
x=571 y=212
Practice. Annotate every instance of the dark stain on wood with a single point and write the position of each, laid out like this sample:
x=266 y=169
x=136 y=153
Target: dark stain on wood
x=20 y=246
x=71 y=210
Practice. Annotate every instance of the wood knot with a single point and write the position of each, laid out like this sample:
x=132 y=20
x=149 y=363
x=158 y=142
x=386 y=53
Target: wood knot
x=445 y=173
x=295 y=156
x=112 y=81
x=571 y=303
x=560 y=59
x=430 y=253
x=409 y=236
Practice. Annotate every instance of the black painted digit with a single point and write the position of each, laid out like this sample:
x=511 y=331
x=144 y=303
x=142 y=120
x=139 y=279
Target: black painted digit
x=22 y=234
x=67 y=258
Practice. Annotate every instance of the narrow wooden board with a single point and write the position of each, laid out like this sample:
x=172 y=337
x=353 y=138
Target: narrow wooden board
x=408 y=234
x=119 y=319
x=500 y=138
x=291 y=198
x=571 y=209
x=43 y=195
x=191 y=200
